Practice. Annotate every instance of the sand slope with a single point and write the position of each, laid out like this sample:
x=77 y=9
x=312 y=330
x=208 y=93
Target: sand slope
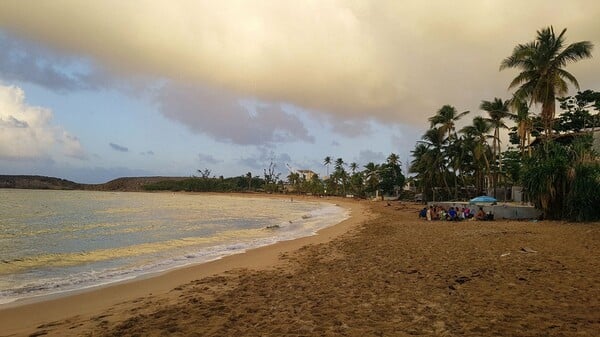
x=394 y=275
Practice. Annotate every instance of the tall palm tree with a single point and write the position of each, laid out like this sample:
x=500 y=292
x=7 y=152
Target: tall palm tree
x=524 y=124
x=542 y=77
x=249 y=177
x=393 y=159
x=435 y=142
x=446 y=118
x=497 y=111
x=372 y=176
x=327 y=162
x=340 y=174
x=479 y=131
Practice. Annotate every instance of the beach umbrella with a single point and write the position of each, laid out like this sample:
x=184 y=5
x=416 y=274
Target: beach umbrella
x=483 y=200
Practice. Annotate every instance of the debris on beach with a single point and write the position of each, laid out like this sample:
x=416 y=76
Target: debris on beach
x=528 y=250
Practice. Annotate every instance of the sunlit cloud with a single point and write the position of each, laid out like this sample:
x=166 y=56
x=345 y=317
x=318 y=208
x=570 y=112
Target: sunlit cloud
x=27 y=131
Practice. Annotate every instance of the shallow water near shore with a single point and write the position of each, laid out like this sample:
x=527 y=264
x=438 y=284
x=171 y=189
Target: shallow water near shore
x=58 y=241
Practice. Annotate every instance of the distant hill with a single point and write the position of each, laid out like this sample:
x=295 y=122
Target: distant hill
x=37 y=182
x=130 y=184
x=51 y=183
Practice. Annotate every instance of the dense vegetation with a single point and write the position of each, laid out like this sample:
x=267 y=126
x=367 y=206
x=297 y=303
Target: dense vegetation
x=560 y=171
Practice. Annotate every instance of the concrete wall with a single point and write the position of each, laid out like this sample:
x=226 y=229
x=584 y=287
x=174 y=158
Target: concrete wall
x=500 y=211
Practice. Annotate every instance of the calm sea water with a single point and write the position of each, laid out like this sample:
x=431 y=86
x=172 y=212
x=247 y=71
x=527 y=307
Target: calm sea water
x=57 y=241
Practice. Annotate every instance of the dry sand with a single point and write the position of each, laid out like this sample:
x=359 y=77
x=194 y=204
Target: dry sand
x=384 y=273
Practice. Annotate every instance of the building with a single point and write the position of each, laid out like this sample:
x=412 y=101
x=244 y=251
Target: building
x=306 y=175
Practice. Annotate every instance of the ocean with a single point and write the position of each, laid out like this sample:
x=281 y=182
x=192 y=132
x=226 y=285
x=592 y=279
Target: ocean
x=59 y=241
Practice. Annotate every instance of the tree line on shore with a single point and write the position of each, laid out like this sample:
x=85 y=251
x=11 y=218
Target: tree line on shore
x=559 y=171
x=345 y=179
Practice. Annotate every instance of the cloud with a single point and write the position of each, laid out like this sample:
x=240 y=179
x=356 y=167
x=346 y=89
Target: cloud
x=206 y=158
x=352 y=128
x=26 y=132
x=393 y=61
x=367 y=156
x=226 y=118
x=118 y=147
x=72 y=146
x=147 y=153
x=264 y=157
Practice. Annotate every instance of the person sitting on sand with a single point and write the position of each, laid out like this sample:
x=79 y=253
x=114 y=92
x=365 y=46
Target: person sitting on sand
x=461 y=214
x=480 y=214
x=452 y=214
x=423 y=213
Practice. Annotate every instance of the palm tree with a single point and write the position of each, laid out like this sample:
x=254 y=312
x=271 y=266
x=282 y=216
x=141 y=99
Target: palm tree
x=479 y=132
x=524 y=124
x=497 y=111
x=327 y=162
x=372 y=176
x=249 y=176
x=435 y=142
x=353 y=167
x=393 y=159
x=446 y=117
x=542 y=77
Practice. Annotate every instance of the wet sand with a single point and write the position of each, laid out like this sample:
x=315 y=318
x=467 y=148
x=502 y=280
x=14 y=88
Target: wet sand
x=383 y=274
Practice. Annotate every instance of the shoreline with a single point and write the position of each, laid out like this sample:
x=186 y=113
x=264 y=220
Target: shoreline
x=23 y=316
x=204 y=255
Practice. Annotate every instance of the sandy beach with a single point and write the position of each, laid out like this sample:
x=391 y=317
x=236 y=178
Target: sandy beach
x=383 y=272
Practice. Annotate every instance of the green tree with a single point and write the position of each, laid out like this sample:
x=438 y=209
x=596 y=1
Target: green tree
x=563 y=180
x=446 y=118
x=372 y=177
x=524 y=124
x=543 y=77
x=479 y=131
x=327 y=162
x=497 y=110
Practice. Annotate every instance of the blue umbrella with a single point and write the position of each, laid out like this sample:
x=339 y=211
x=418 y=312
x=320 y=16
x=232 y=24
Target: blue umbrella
x=483 y=199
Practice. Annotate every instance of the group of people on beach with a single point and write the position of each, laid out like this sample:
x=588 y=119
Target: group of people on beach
x=453 y=214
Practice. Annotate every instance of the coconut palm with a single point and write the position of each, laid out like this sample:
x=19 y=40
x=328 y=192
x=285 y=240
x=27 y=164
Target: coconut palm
x=372 y=177
x=524 y=124
x=353 y=167
x=393 y=159
x=327 y=162
x=436 y=159
x=542 y=77
x=340 y=174
x=479 y=131
x=446 y=118
x=497 y=111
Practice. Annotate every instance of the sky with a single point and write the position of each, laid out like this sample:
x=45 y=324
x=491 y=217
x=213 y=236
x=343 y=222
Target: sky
x=95 y=90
